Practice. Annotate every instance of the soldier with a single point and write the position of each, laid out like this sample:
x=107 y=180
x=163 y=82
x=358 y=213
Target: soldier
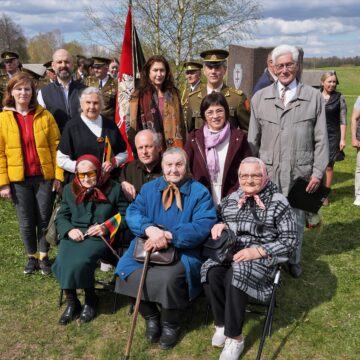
x=80 y=73
x=50 y=75
x=106 y=84
x=193 y=77
x=11 y=63
x=214 y=70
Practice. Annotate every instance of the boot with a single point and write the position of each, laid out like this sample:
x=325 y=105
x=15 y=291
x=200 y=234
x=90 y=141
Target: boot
x=170 y=335
x=153 y=329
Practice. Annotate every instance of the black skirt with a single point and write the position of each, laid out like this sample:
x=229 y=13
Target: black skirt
x=164 y=284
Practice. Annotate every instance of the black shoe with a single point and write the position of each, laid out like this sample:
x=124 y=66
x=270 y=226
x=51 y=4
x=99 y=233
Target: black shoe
x=31 y=266
x=153 y=328
x=295 y=270
x=169 y=336
x=71 y=312
x=88 y=313
x=45 y=266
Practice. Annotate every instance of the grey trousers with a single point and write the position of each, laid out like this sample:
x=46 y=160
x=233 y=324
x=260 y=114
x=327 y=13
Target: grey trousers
x=300 y=223
x=357 y=174
x=33 y=199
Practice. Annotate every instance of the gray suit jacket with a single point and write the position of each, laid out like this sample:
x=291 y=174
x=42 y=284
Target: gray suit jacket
x=292 y=141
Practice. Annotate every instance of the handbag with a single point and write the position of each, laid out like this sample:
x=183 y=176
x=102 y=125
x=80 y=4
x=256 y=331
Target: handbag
x=160 y=257
x=222 y=249
x=50 y=233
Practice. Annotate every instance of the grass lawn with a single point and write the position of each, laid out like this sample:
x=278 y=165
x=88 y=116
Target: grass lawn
x=318 y=315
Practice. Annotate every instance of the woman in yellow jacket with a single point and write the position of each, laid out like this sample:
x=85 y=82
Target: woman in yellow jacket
x=28 y=172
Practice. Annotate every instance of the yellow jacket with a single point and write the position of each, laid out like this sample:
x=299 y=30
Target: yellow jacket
x=47 y=137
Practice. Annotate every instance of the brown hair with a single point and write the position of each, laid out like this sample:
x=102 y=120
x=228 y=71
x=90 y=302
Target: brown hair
x=19 y=79
x=146 y=84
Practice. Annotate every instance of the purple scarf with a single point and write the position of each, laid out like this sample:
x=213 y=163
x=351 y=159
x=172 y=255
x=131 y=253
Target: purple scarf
x=211 y=141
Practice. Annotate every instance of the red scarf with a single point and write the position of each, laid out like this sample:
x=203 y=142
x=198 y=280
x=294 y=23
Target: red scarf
x=96 y=193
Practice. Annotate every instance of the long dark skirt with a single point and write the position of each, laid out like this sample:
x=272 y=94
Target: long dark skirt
x=164 y=284
x=76 y=262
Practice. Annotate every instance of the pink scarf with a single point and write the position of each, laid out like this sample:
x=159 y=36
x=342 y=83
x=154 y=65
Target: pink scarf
x=264 y=181
x=211 y=141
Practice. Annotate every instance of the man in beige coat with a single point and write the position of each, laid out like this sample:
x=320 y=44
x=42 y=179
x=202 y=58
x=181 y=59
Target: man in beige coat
x=288 y=132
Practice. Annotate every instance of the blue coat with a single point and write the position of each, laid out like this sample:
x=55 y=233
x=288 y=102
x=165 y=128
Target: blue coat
x=189 y=227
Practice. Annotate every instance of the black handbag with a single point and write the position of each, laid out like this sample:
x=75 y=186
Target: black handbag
x=222 y=249
x=160 y=257
x=50 y=233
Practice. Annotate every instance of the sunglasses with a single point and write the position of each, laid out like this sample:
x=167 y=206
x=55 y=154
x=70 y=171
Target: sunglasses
x=91 y=173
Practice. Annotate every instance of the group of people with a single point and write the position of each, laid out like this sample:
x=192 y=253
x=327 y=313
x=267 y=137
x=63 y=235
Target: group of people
x=204 y=162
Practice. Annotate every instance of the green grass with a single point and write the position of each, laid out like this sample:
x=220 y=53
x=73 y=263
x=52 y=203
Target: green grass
x=318 y=315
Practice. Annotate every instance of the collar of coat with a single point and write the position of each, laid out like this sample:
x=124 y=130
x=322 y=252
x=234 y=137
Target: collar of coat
x=184 y=189
x=302 y=92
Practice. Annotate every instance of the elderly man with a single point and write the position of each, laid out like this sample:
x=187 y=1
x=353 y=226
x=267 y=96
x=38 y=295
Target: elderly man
x=144 y=169
x=106 y=84
x=288 y=132
x=214 y=70
x=268 y=77
x=61 y=97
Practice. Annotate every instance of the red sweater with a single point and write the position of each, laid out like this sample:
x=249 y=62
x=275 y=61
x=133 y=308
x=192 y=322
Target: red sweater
x=31 y=158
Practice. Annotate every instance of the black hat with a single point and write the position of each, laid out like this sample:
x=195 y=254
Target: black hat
x=214 y=57
x=9 y=55
x=100 y=61
x=192 y=65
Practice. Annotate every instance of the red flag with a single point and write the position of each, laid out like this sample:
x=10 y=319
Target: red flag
x=131 y=61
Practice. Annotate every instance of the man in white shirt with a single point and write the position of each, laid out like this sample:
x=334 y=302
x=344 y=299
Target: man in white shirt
x=288 y=132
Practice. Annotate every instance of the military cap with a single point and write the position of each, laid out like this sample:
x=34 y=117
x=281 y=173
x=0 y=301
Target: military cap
x=48 y=65
x=192 y=65
x=100 y=61
x=33 y=74
x=214 y=57
x=9 y=55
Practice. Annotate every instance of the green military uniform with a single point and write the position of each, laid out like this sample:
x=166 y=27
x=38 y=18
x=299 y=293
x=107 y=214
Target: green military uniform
x=239 y=106
x=4 y=77
x=108 y=90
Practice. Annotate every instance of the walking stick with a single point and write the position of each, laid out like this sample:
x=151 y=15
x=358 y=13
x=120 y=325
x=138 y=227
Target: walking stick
x=136 y=308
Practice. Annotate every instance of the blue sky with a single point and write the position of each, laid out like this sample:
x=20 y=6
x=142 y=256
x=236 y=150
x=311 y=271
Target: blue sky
x=322 y=28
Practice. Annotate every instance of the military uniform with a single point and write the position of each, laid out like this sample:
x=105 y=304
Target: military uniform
x=108 y=90
x=239 y=105
x=239 y=108
x=4 y=77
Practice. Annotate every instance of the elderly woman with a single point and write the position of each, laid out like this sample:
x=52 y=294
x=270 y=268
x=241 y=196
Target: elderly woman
x=87 y=134
x=89 y=200
x=28 y=172
x=156 y=105
x=185 y=211
x=335 y=108
x=213 y=161
x=265 y=228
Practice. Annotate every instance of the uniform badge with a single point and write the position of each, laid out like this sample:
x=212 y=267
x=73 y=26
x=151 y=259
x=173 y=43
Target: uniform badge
x=237 y=75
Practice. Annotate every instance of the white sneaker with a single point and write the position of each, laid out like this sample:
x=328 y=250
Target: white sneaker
x=105 y=267
x=218 y=339
x=232 y=349
x=357 y=201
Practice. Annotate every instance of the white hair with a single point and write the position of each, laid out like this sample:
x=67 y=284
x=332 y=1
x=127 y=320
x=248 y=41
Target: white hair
x=156 y=136
x=285 y=49
x=175 y=151
x=92 y=90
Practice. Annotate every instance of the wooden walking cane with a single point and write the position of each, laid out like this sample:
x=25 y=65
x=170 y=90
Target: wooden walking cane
x=110 y=247
x=136 y=308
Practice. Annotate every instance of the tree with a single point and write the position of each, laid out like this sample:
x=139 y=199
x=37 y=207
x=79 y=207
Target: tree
x=74 y=48
x=12 y=37
x=179 y=29
x=42 y=46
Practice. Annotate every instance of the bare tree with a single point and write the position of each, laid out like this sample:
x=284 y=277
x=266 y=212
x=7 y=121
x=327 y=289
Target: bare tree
x=12 y=37
x=180 y=29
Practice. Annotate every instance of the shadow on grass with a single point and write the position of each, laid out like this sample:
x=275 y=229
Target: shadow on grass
x=296 y=298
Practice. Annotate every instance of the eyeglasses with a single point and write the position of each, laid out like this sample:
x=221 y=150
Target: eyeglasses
x=248 y=176
x=288 y=66
x=91 y=173
x=214 y=113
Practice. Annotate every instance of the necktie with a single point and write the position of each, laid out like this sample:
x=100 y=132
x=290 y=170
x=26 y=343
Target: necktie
x=283 y=92
x=100 y=84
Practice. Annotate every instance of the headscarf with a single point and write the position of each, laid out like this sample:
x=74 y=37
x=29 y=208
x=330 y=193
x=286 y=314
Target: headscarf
x=96 y=193
x=264 y=181
x=211 y=141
